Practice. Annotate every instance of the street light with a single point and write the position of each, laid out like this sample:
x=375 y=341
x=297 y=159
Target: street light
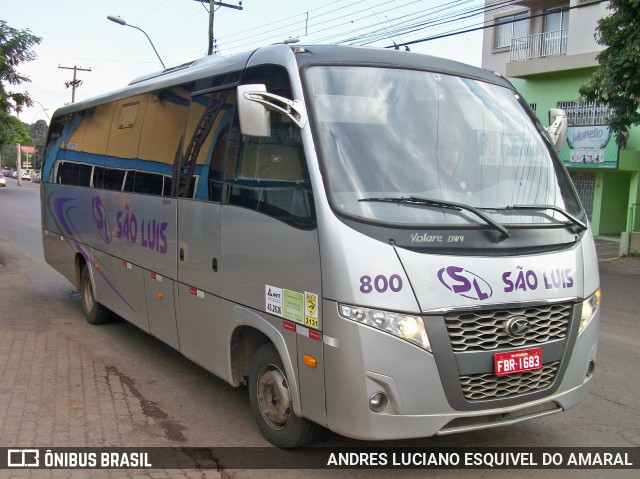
x=121 y=21
x=43 y=109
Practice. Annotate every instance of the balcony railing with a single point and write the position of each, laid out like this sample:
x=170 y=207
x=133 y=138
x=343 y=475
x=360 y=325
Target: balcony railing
x=540 y=45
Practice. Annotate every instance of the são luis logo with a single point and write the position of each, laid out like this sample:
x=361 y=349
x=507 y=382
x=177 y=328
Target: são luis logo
x=465 y=283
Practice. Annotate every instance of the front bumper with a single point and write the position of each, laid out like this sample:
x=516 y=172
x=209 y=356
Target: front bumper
x=360 y=361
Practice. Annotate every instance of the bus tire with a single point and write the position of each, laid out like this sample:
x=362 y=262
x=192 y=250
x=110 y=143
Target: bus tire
x=271 y=402
x=94 y=312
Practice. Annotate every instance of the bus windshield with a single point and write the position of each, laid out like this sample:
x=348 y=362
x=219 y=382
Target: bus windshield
x=387 y=133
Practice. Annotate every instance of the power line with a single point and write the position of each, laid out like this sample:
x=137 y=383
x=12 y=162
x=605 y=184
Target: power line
x=395 y=30
x=447 y=19
x=403 y=19
x=272 y=34
x=294 y=16
x=485 y=26
x=320 y=24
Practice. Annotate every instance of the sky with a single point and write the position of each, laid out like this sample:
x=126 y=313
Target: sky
x=78 y=33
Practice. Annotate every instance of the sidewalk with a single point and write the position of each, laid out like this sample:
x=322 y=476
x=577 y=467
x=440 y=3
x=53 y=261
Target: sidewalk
x=54 y=392
x=607 y=248
x=610 y=261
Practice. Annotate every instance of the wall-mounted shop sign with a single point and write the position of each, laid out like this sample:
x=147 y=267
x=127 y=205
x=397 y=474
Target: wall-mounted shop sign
x=590 y=147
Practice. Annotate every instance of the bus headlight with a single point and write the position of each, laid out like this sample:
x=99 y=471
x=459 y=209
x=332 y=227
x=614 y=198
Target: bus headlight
x=589 y=308
x=405 y=326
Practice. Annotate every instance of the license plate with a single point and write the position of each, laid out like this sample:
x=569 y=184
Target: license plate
x=513 y=362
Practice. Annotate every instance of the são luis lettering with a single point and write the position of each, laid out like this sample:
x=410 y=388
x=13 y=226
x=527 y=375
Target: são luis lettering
x=152 y=232
x=529 y=280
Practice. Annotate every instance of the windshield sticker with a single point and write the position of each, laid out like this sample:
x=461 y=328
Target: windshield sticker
x=465 y=283
x=311 y=309
x=301 y=308
x=510 y=149
x=273 y=298
x=293 y=306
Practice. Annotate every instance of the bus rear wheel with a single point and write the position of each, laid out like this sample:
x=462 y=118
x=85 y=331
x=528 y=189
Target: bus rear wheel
x=94 y=312
x=271 y=402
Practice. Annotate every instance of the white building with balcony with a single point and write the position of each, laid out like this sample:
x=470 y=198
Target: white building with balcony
x=548 y=49
x=542 y=36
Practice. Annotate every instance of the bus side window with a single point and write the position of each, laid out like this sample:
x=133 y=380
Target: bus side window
x=143 y=182
x=206 y=134
x=270 y=175
x=71 y=173
x=108 y=178
x=216 y=166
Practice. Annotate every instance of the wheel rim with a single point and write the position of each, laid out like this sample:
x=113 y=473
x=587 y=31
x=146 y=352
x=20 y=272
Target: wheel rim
x=274 y=399
x=87 y=295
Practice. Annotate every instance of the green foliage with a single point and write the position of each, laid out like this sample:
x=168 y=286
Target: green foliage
x=15 y=48
x=616 y=81
x=13 y=131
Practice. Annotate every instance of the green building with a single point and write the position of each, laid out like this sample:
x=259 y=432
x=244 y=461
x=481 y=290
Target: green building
x=548 y=50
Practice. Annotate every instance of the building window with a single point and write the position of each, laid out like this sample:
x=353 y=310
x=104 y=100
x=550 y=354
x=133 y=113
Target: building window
x=585 y=183
x=556 y=20
x=586 y=113
x=510 y=27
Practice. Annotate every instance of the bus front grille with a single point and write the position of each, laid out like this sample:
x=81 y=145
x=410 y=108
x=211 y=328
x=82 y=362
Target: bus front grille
x=479 y=387
x=486 y=331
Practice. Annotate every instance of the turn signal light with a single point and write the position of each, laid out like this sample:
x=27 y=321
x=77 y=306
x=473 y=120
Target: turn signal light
x=310 y=361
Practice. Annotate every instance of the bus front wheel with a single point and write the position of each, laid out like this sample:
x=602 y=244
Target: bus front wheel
x=271 y=402
x=94 y=312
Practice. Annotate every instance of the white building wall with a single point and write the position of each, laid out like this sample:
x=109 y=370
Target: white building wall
x=495 y=60
x=583 y=23
x=581 y=40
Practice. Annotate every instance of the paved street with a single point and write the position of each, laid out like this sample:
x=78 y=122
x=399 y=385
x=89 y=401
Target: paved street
x=64 y=382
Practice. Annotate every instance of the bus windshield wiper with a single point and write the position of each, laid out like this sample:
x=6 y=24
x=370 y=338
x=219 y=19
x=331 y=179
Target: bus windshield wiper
x=569 y=216
x=417 y=201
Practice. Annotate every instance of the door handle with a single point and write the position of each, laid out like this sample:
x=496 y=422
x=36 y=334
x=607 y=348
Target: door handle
x=214 y=264
x=181 y=254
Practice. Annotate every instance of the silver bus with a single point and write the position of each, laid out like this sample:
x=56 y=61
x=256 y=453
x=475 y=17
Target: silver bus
x=381 y=243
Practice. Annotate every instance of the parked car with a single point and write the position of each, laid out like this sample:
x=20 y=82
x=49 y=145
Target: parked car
x=37 y=178
x=3 y=182
x=26 y=175
x=14 y=174
x=6 y=172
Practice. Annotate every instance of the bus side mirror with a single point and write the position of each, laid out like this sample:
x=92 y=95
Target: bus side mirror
x=558 y=127
x=254 y=105
x=254 y=117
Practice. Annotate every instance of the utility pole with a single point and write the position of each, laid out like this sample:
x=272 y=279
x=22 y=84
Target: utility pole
x=211 y=13
x=75 y=83
x=18 y=158
x=212 y=5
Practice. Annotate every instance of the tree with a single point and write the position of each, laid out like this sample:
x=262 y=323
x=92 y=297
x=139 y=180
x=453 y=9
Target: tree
x=15 y=48
x=616 y=81
x=13 y=131
x=38 y=133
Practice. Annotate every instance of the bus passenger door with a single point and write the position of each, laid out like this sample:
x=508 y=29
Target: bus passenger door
x=198 y=253
x=270 y=246
x=199 y=227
